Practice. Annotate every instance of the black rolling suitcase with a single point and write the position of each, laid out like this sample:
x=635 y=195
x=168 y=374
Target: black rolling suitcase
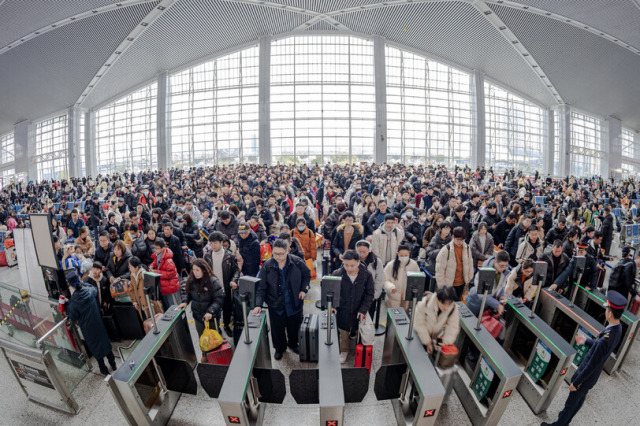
x=308 y=338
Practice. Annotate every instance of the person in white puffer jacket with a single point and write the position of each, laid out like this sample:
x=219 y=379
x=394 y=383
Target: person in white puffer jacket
x=395 y=274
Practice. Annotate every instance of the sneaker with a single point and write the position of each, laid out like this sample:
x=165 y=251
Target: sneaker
x=277 y=356
x=343 y=357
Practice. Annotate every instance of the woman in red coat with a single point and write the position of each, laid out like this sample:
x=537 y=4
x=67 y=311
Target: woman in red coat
x=163 y=265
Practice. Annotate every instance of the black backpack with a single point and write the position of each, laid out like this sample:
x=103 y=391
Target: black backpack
x=616 y=279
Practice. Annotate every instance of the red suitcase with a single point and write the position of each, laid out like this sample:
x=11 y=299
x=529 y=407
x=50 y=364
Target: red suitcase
x=221 y=356
x=364 y=355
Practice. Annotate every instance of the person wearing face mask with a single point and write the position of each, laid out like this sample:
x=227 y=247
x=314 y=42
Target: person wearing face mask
x=356 y=295
x=395 y=274
x=437 y=320
x=345 y=237
x=307 y=239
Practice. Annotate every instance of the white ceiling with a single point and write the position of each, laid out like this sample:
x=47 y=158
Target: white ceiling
x=583 y=51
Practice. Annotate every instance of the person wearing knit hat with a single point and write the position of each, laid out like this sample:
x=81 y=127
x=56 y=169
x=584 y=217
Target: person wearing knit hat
x=83 y=309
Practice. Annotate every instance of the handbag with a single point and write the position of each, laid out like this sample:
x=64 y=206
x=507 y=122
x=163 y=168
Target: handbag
x=120 y=288
x=367 y=331
x=491 y=322
x=447 y=356
x=312 y=270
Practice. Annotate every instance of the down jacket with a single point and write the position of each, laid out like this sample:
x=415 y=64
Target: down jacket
x=307 y=240
x=209 y=301
x=169 y=283
x=379 y=242
x=430 y=322
x=398 y=284
x=446 y=265
x=515 y=286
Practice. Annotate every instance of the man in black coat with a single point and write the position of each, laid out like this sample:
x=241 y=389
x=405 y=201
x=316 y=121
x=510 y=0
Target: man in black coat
x=284 y=282
x=103 y=249
x=558 y=232
x=491 y=218
x=557 y=261
x=225 y=267
x=460 y=219
x=299 y=212
x=623 y=277
x=513 y=240
x=249 y=248
x=174 y=244
x=607 y=230
x=357 y=291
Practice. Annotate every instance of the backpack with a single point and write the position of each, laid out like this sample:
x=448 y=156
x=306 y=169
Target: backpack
x=616 y=279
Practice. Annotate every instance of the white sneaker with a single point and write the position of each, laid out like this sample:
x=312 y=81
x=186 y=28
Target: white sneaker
x=343 y=357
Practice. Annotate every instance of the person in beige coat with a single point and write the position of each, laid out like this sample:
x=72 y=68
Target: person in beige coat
x=386 y=239
x=395 y=277
x=454 y=264
x=437 y=317
x=531 y=247
x=520 y=282
x=136 y=290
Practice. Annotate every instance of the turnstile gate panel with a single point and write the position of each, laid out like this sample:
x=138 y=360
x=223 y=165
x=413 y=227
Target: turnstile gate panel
x=139 y=386
x=421 y=392
x=591 y=301
x=239 y=397
x=568 y=321
x=542 y=354
x=487 y=376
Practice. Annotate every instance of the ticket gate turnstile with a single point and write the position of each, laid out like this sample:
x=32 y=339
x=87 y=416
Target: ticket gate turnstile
x=487 y=375
x=542 y=354
x=569 y=321
x=240 y=398
x=592 y=301
x=149 y=383
x=407 y=376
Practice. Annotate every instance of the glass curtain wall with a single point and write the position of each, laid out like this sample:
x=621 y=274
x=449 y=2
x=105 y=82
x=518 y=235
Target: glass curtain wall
x=429 y=111
x=586 y=144
x=214 y=111
x=52 y=148
x=126 y=133
x=7 y=149
x=322 y=100
x=515 y=132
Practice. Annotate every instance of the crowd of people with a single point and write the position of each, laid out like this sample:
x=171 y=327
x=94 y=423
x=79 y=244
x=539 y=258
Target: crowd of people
x=202 y=229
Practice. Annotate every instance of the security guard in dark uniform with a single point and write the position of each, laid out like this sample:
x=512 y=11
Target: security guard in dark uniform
x=591 y=366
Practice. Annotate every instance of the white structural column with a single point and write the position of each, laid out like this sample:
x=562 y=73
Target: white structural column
x=550 y=131
x=264 y=102
x=163 y=139
x=90 y=153
x=25 y=149
x=380 y=81
x=564 y=138
x=479 y=138
x=73 y=142
x=612 y=161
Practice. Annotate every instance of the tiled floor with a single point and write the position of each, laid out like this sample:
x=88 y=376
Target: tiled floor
x=613 y=398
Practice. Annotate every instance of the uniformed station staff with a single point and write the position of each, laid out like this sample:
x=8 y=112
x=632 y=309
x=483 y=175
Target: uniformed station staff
x=591 y=366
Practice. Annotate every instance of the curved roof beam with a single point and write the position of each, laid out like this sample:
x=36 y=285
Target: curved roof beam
x=69 y=20
x=569 y=21
x=517 y=45
x=128 y=41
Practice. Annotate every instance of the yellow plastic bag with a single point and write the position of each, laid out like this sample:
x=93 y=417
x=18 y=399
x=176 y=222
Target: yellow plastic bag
x=210 y=339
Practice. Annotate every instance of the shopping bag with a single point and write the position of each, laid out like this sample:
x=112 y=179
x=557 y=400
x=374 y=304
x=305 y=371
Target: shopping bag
x=367 y=331
x=491 y=323
x=210 y=339
x=309 y=263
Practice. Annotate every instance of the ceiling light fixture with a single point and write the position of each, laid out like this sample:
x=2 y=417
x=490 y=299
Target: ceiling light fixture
x=502 y=28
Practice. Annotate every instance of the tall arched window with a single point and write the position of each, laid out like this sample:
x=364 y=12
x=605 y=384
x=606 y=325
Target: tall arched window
x=322 y=100
x=428 y=110
x=214 y=111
